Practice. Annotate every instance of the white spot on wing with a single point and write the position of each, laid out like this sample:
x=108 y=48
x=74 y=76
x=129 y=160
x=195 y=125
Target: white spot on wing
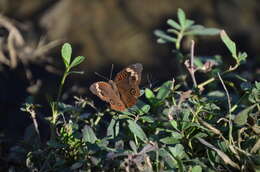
x=132 y=73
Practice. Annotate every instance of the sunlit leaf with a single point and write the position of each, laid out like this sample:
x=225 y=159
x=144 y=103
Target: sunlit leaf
x=66 y=52
x=229 y=43
x=196 y=168
x=164 y=90
x=181 y=17
x=77 y=61
x=173 y=24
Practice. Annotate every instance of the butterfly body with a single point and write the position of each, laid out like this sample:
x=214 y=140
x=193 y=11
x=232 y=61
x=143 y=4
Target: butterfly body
x=124 y=91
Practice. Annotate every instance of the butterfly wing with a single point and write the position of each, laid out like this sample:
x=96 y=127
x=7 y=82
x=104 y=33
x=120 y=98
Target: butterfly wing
x=106 y=93
x=127 y=82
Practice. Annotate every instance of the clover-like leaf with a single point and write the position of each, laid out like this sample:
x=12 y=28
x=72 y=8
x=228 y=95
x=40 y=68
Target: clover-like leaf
x=173 y=24
x=66 y=52
x=181 y=17
x=162 y=35
x=77 y=61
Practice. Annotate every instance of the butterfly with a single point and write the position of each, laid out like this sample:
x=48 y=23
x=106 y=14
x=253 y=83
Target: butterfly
x=124 y=91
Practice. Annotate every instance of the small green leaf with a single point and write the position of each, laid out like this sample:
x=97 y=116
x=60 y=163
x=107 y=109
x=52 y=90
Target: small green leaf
x=241 y=117
x=164 y=36
x=149 y=94
x=161 y=41
x=168 y=158
x=229 y=43
x=181 y=17
x=174 y=124
x=164 y=90
x=77 y=61
x=147 y=118
x=196 y=168
x=76 y=72
x=137 y=130
x=169 y=140
x=177 y=151
x=173 y=24
x=88 y=134
x=203 y=31
x=188 y=23
x=113 y=128
x=66 y=52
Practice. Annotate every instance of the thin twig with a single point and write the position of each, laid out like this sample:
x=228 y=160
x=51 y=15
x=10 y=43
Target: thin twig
x=225 y=88
x=190 y=66
x=229 y=110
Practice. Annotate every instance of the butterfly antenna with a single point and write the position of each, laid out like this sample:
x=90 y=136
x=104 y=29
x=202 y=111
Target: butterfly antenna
x=101 y=76
x=111 y=72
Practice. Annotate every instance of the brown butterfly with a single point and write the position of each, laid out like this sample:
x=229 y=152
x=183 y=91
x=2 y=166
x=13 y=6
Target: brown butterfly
x=123 y=91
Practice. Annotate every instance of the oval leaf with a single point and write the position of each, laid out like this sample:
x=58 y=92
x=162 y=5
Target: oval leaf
x=181 y=17
x=173 y=24
x=66 y=52
x=164 y=90
x=88 y=134
x=241 y=117
x=77 y=61
x=137 y=130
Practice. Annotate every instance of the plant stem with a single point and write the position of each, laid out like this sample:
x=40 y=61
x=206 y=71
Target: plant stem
x=229 y=110
x=62 y=83
x=200 y=86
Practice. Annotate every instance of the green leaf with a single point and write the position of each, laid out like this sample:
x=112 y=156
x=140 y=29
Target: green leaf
x=173 y=24
x=196 y=168
x=229 y=43
x=113 y=128
x=241 y=117
x=168 y=158
x=137 y=130
x=164 y=90
x=77 y=61
x=181 y=17
x=66 y=52
x=149 y=94
x=161 y=41
x=177 y=151
x=147 y=118
x=169 y=140
x=88 y=134
x=203 y=31
x=174 y=124
x=188 y=23
x=164 y=36
x=76 y=72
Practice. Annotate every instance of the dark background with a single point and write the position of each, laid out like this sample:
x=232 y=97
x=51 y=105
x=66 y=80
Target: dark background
x=118 y=32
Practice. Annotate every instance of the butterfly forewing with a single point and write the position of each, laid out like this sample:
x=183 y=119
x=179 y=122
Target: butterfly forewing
x=106 y=93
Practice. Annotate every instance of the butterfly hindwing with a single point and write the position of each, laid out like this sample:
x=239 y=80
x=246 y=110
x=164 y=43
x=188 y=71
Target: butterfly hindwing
x=107 y=92
x=127 y=82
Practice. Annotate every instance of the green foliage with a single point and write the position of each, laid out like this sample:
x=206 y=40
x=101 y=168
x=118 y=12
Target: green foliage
x=184 y=27
x=176 y=127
